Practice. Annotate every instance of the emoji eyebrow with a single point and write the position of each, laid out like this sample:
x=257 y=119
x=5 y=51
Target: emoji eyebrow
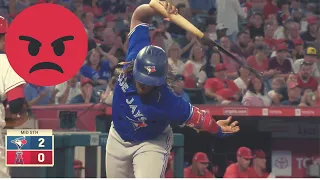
x=30 y=39
x=64 y=38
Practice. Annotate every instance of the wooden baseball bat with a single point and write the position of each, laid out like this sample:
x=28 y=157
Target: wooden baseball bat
x=185 y=24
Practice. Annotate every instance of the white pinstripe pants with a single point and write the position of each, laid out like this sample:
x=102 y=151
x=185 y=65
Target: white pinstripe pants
x=144 y=160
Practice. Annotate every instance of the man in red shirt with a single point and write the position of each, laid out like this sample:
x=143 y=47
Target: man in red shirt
x=305 y=79
x=258 y=165
x=241 y=168
x=221 y=88
x=198 y=169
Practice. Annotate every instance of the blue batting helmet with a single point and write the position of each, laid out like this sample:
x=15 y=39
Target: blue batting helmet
x=151 y=66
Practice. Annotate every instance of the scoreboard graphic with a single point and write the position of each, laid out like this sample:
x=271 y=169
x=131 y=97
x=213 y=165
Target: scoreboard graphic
x=29 y=148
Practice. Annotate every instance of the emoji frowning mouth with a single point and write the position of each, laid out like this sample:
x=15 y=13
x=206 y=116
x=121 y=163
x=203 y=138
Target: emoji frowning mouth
x=46 y=65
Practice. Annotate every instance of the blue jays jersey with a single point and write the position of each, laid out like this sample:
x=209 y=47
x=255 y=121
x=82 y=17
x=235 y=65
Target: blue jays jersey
x=138 y=118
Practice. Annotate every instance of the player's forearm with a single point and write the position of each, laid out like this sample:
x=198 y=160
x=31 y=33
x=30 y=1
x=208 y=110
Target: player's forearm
x=203 y=121
x=142 y=14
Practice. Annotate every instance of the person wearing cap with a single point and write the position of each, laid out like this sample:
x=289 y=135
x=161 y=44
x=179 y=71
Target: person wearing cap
x=269 y=30
x=98 y=32
x=178 y=86
x=199 y=167
x=310 y=35
x=220 y=88
x=240 y=169
x=221 y=31
x=294 y=95
x=305 y=78
x=258 y=169
x=280 y=62
x=298 y=51
x=310 y=56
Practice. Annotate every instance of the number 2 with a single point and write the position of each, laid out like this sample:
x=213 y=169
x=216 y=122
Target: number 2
x=41 y=141
x=40 y=157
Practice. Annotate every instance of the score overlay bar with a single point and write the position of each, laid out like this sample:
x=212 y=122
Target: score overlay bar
x=29 y=148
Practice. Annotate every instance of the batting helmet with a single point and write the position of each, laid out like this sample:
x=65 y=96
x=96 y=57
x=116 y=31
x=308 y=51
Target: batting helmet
x=151 y=66
x=3 y=25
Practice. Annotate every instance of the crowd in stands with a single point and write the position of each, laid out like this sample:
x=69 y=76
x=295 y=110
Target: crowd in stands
x=278 y=38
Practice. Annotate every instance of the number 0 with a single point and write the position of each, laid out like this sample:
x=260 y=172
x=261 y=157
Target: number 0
x=40 y=157
x=41 y=141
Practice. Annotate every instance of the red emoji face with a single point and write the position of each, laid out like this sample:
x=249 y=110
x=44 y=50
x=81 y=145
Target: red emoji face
x=46 y=44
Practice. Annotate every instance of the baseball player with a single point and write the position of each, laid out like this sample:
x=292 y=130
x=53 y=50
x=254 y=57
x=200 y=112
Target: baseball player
x=140 y=137
x=11 y=90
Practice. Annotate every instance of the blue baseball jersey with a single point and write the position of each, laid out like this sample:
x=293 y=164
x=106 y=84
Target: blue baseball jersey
x=104 y=72
x=138 y=118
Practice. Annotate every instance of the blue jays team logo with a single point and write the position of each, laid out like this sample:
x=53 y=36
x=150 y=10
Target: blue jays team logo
x=19 y=142
x=150 y=69
x=138 y=124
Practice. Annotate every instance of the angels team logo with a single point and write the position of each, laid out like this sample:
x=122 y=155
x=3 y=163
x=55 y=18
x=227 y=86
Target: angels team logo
x=150 y=69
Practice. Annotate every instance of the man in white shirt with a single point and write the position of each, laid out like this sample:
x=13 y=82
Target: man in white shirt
x=227 y=14
x=68 y=90
x=11 y=91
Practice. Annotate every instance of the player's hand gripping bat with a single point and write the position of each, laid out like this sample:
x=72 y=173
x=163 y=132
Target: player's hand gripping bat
x=185 y=24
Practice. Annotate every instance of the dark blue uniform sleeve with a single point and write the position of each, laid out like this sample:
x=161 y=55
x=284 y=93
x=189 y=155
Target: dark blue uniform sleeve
x=179 y=111
x=138 y=39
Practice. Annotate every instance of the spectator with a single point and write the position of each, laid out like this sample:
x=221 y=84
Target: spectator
x=162 y=26
x=211 y=29
x=220 y=88
x=243 y=80
x=68 y=90
x=310 y=35
x=309 y=57
x=298 y=51
x=280 y=62
x=305 y=79
x=178 y=86
x=112 y=44
x=276 y=84
x=268 y=35
x=193 y=66
x=282 y=92
x=284 y=10
x=255 y=94
x=158 y=39
x=198 y=169
x=242 y=46
x=221 y=31
x=258 y=40
x=257 y=28
x=174 y=60
x=259 y=164
x=229 y=63
x=259 y=61
x=39 y=95
x=227 y=13
x=97 y=71
x=240 y=169
x=294 y=95
x=269 y=8
x=98 y=33
x=93 y=7
x=207 y=71
x=308 y=98
x=107 y=96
